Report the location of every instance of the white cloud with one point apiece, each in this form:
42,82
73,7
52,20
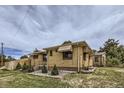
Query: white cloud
45,26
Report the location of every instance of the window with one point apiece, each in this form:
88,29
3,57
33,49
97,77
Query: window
51,53
67,55
84,56
89,57
44,57
35,56
96,59
56,50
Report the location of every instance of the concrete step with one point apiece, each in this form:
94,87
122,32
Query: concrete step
3,67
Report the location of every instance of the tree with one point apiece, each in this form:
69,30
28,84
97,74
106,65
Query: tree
114,52
10,58
55,71
110,47
25,67
18,66
36,50
121,53
7,58
24,56
67,42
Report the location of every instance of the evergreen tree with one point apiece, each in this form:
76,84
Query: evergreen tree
114,52
18,66
25,67
55,71
24,56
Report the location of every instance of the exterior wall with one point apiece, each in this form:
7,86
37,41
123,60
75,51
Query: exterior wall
36,63
12,64
91,61
57,58
101,60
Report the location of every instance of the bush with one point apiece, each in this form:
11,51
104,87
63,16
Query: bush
44,69
25,67
30,69
112,62
55,71
23,57
18,66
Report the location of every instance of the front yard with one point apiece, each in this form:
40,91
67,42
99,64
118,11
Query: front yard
102,77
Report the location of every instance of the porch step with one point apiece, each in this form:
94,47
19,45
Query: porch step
3,67
91,70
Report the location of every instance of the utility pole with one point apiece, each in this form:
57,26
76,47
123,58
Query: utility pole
2,56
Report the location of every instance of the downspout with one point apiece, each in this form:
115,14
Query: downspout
47,60
78,59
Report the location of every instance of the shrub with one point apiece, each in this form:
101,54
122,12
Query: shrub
25,67
23,57
18,66
112,62
44,69
55,71
30,69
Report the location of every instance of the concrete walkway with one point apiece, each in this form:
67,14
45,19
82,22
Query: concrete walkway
62,73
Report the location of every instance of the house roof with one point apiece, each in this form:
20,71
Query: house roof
39,52
65,48
73,43
100,53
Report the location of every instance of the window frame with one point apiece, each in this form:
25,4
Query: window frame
44,57
66,55
35,56
84,56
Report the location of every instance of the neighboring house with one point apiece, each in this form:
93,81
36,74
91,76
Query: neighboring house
69,56
12,64
99,59
38,59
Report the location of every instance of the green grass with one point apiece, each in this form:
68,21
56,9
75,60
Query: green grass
102,77
14,79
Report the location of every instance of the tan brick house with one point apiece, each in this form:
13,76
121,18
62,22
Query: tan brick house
99,59
38,59
70,56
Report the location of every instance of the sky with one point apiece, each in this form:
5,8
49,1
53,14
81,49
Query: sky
24,28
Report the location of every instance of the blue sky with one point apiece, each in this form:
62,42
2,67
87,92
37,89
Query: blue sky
28,27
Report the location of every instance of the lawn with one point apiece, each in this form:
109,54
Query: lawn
102,77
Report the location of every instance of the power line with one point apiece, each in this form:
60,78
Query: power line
21,23
2,55
20,27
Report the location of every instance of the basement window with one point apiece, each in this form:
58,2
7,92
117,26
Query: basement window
67,55
44,57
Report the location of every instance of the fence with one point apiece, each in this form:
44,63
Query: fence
12,64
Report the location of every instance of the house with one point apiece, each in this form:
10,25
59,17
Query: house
12,64
99,59
38,59
69,56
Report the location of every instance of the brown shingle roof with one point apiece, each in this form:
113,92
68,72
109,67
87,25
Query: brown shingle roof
73,43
